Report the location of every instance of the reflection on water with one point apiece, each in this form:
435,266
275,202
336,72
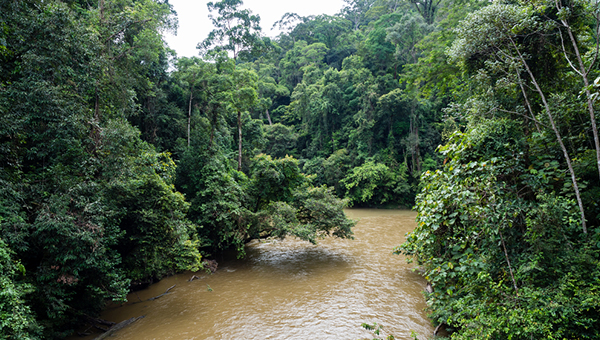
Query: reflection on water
292,290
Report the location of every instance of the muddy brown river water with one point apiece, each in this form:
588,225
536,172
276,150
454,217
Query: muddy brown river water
292,290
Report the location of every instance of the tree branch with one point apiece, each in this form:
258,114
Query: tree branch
562,42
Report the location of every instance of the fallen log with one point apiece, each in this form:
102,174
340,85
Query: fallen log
103,329
117,327
194,277
103,322
435,331
156,297
163,294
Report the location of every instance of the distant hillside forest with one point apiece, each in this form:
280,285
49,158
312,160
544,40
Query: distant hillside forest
121,163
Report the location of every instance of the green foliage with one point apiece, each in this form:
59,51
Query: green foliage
361,99
157,237
406,34
16,318
376,50
498,233
274,180
281,140
334,32
483,239
275,200
330,171
81,193
376,184
285,203
311,214
216,194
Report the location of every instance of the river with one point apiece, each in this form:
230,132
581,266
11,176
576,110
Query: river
292,290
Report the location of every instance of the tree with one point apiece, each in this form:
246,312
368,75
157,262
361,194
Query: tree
406,34
501,233
376,184
217,197
376,50
156,237
285,203
334,31
243,97
356,11
427,9
236,29
585,12
130,44
493,32
269,91
189,71
281,140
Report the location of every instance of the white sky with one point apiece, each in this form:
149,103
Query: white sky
194,24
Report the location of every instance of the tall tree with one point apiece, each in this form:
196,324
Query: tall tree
356,11
243,97
236,29
427,9
406,35
192,73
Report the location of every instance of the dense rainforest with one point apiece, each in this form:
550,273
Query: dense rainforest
121,163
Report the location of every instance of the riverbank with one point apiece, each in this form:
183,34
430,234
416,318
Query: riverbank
292,290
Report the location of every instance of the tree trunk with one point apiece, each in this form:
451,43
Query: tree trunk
417,148
527,103
558,136
414,132
268,117
239,118
101,10
189,117
97,106
586,83
411,146
508,261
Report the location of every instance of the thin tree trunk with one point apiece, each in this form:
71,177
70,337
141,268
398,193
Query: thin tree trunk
508,261
97,106
414,131
410,146
96,126
586,83
418,149
101,11
268,117
558,136
239,140
527,103
189,117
